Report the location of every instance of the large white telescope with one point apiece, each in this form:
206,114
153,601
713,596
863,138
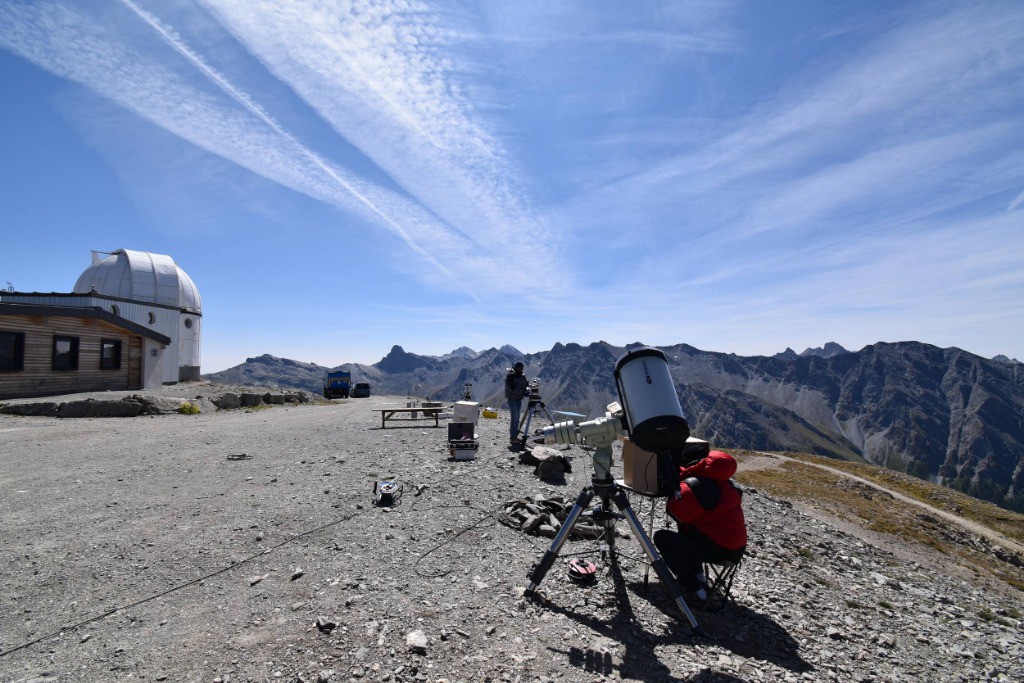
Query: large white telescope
650,404
649,411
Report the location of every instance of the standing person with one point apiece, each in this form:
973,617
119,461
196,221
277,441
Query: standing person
515,390
708,509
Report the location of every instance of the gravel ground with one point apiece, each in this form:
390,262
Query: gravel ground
210,547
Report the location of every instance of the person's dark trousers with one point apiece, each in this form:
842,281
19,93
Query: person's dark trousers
515,407
685,553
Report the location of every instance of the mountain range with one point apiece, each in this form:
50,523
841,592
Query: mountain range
945,415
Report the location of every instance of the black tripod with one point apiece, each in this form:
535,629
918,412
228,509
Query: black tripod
603,486
534,406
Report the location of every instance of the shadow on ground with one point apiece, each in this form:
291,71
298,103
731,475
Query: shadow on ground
763,639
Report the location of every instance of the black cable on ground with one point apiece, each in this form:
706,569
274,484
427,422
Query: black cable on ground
173,589
488,514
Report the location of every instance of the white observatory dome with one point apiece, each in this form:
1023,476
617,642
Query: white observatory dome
141,276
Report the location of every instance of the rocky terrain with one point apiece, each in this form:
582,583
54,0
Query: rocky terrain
940,414
243,545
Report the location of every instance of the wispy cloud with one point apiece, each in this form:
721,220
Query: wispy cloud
879,137
230,123
906,178
242,98
1016,202
688,27
913,82
385,76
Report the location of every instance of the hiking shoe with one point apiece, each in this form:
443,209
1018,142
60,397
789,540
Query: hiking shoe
699,598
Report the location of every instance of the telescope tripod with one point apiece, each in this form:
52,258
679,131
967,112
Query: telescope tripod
534,406
603,486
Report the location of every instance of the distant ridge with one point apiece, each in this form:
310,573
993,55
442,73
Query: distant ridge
942,414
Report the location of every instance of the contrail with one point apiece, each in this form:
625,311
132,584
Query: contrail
1016,202
243,99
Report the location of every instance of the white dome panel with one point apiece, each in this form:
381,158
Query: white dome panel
141,276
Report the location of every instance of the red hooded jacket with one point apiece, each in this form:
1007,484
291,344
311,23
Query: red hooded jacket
709,502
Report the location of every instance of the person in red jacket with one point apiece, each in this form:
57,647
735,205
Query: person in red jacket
708,509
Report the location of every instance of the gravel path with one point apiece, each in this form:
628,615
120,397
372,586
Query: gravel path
210,547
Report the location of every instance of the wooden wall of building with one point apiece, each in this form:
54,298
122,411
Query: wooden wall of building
39,379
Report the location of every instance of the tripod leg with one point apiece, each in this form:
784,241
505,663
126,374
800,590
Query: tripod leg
657,561
546,562
545,409
526,421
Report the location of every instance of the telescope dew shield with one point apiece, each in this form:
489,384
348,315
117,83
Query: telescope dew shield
649,401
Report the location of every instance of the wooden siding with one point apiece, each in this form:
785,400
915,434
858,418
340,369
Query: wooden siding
37,378
131,356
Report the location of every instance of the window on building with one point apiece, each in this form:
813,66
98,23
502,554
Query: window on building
188,323
12,351
152,317
110,354
65,352
115,310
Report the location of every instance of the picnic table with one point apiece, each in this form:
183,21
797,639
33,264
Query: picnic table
387,414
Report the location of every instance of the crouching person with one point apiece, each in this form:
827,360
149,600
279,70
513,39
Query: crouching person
709,512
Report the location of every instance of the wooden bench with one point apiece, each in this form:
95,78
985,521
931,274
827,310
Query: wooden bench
389,414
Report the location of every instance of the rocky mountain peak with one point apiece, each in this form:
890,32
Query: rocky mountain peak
828,351
461,352
399,360
274,361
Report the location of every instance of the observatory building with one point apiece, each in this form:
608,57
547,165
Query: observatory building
125,301
151,290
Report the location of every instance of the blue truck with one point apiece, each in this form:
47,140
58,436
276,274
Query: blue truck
337,384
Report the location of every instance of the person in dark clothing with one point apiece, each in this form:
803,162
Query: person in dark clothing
708,509
515,390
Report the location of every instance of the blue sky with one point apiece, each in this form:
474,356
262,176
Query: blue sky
338,177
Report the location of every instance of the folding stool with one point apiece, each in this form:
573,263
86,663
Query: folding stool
719,578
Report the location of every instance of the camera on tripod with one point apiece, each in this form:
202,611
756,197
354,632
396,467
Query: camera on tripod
533,391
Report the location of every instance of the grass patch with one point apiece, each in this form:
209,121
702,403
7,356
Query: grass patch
885,605
188,408
990,616
880,512
1009,524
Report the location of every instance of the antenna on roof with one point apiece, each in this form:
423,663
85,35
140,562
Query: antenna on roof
10,287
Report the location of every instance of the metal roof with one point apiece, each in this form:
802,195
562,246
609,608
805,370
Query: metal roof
82,312
141,276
